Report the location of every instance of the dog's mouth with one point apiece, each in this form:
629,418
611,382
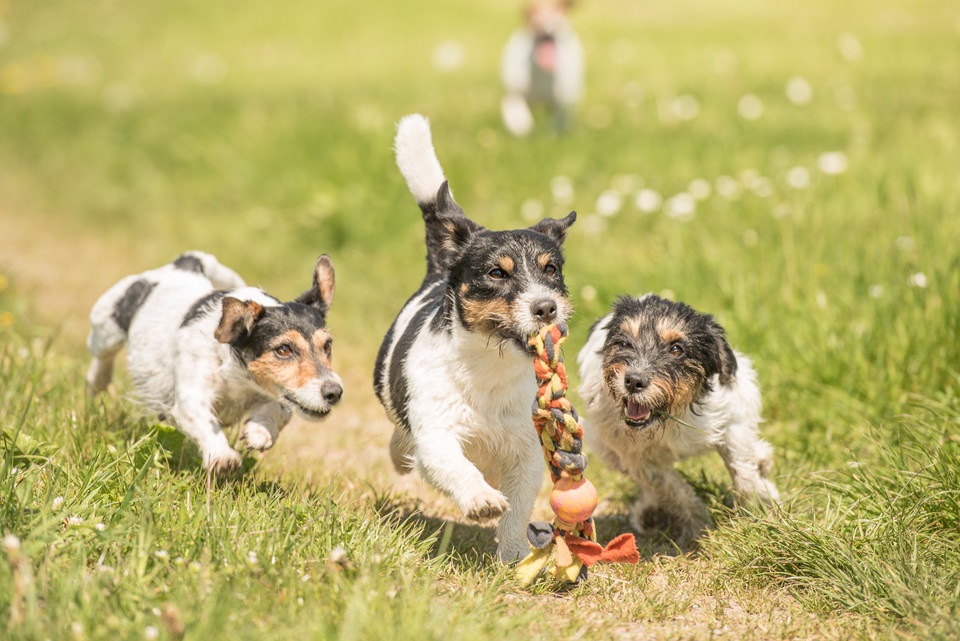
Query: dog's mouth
637,415
511,336
307,412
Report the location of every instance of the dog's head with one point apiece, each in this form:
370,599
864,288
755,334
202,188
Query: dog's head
659,358
505,285
286,348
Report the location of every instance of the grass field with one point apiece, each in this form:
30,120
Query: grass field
806,157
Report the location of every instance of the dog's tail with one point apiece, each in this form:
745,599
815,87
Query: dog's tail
420,167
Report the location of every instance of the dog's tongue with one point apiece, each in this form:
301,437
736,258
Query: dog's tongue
635,411
545,54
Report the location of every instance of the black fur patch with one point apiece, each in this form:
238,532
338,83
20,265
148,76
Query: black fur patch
188,263
202,307
131,301
276,321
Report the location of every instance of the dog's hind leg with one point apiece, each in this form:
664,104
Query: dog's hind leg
220,275
667,502
401,450
110,321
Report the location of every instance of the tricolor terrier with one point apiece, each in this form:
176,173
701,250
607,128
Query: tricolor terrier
205,351
541,64
453,372
661,385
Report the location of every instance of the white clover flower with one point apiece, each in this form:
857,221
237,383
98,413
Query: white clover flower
850,47
447,56
750,107
57,502
161,554
100,527
648,201
685,107
832,163
875,291
561,188
151,632
699,188
609,203
918,280
531,210
799,91
681,206
905,243
73,520
252,557
798,177
727,187
11,543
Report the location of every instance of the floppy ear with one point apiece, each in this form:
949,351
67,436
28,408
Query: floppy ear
722,360
237,319
555,229
320,296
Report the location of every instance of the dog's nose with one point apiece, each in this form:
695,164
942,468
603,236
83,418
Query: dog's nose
332,392
635,382
545,310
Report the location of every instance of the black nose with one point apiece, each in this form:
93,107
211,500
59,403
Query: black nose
635,382
545,310
332,392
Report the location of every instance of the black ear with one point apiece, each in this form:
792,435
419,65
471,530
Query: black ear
237,319
446,205
320,296
556,229
722,360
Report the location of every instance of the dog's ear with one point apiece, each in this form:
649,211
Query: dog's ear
721,360
448,229
555,229
445,204
237,319
320,296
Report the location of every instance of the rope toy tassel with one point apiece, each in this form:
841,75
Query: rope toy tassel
566,548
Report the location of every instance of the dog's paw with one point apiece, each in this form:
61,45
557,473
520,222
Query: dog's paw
223,464
488,504
256,437
755,490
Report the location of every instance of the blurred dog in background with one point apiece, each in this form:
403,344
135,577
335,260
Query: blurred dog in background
542,64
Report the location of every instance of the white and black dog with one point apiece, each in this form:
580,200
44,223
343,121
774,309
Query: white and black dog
453,372
662,384
205,351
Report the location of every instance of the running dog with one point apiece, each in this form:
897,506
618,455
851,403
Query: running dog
205,351
453,372
661,385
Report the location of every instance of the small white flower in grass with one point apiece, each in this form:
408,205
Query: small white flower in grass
561,188
799,91
918,280
11,543
57,502
762,187
252,557
73,520
77,629
685,107
609,203
681,207
798,177
100,527
750,107
648,201
699,188
875,291
161,554
905,243
588,293
821,299
273,560
151,632
832,163
531,210
850,47
299,600
727,187
854,464
447,56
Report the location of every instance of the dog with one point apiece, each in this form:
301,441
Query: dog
541,64
205,351
662,384
453,372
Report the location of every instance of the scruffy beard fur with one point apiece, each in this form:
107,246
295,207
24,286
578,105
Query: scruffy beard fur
662,384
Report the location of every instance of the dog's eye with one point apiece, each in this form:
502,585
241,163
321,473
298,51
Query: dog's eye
676,349
550,269
622,344
284,351
497,273
328,348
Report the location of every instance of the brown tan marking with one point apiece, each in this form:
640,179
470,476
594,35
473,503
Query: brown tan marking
506,264
543,260
320,339
272,372
486,315
671,335
631,326
670,327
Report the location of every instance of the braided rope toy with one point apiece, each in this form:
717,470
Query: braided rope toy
569,546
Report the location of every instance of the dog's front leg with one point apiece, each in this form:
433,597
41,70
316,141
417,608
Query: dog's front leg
263,425
196,418
520,480
749,460
441,461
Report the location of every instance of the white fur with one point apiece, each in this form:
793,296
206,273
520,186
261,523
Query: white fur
471,428
183,373
727,421
417,159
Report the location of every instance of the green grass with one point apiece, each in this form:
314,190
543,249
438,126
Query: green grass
262,133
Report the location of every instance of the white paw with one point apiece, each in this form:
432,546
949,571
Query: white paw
256,437
759,489
223,462
485,504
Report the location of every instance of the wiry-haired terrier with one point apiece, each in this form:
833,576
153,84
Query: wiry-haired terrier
663,385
